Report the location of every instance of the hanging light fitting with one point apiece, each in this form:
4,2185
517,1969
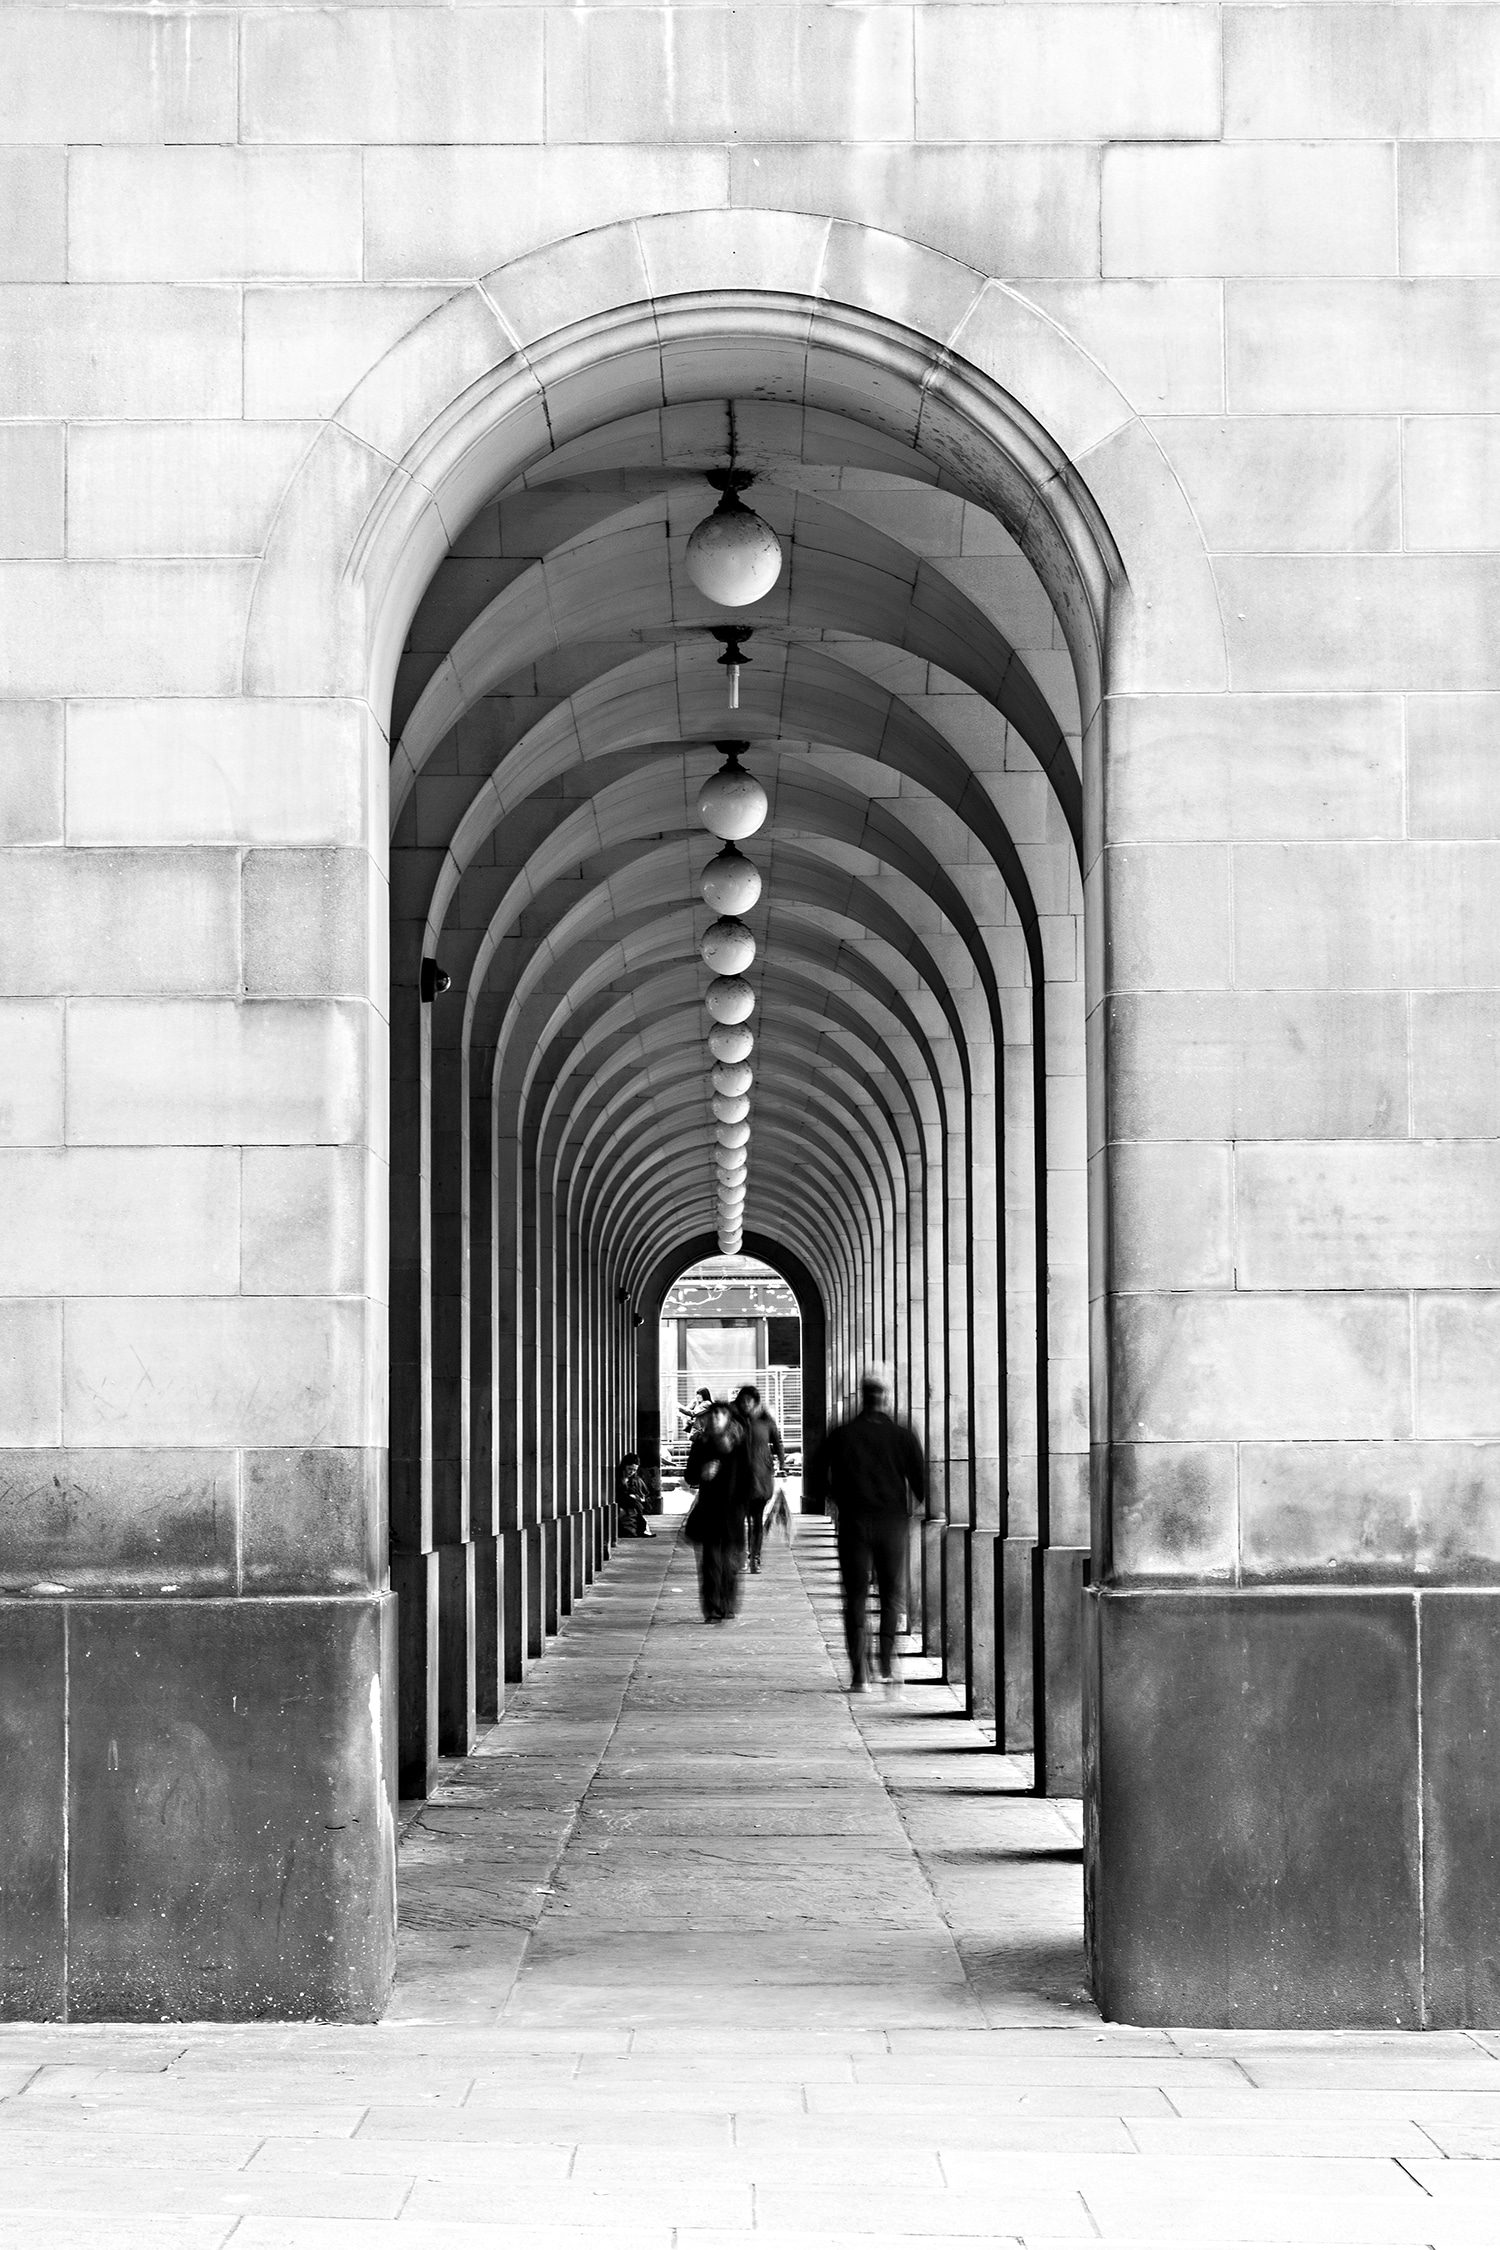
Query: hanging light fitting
731,883
731,802
733,556
728,947
729,1000
734,659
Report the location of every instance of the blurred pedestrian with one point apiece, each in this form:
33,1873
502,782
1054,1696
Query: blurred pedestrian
719,1466
767,1460
870,1467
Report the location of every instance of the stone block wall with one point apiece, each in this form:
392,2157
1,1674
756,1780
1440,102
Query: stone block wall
1271,234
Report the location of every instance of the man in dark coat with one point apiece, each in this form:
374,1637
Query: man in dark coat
767,1462
871,1468
719,1465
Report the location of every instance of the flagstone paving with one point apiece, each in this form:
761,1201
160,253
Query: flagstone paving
698,1951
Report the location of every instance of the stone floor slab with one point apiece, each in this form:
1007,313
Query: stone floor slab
698,1951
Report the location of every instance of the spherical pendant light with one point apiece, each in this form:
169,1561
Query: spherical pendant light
731,883
732,1179
733,1078
731,1163
729,1000
732,802
731,1199
732,1136
733,556
731,1043
728,947
731,1109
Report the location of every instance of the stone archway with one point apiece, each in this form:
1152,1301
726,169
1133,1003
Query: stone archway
511,370
927,361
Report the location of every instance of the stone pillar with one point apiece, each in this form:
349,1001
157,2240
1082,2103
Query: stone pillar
1292,1646
196,1636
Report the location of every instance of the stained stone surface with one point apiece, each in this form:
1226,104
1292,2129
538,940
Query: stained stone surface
697,1951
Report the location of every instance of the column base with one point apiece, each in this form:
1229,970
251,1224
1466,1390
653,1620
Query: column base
414,1582
1063,1573
536,1623
984,1575
515,1568
1015,1688
934,1531
1292,1818
458,1718
489,1629
551,1607
565,1531
957,1611
199,1816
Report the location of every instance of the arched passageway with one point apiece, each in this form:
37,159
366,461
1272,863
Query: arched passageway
924,709
985,924
920,683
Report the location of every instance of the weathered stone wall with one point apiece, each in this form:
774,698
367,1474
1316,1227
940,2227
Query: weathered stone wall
1264,248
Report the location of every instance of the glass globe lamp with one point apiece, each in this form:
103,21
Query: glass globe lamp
731,883
733,556
728,947
732,803
729,1000
731,1043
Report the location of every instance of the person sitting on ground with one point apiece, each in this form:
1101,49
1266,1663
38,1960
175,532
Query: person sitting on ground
767,1460
632,1498
719,1465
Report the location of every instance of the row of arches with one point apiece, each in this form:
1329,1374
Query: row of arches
485,548
913,712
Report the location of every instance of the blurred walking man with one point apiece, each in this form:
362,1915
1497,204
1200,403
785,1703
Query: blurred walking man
871,1468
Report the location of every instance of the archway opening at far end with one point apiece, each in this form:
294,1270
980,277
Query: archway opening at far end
728,1321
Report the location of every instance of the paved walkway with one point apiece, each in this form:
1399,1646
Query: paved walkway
695,1952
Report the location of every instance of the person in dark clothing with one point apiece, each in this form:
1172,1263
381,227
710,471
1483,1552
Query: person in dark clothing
632,1498
871,1468
767,1462
719,1466
689,1418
